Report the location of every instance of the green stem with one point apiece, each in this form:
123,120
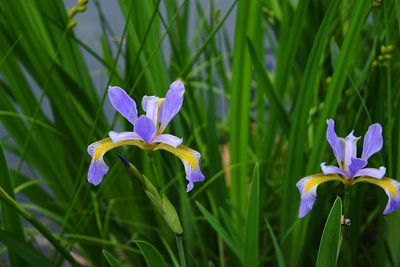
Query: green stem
347,197
181,250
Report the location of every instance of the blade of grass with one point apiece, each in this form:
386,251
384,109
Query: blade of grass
151,254
330,241
278,251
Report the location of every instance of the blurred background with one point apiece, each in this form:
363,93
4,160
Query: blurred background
261,79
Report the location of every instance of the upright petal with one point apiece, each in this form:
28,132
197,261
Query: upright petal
372,172
350,148
172,104
97,170
168,139
373,141
392,190
334,142
190,159
123,136
307,187
145,128
355,166
123,103
151,105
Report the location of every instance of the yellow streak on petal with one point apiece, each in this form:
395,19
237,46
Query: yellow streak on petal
106,144
315,180
385,183
182,152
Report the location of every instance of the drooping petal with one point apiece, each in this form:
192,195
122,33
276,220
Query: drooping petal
190,159
372,172
168,139
350,148
392,190
355,166
151,105
118,137
307,187
373,141
334,142
97,170
145,128
123,103
332,170
172,104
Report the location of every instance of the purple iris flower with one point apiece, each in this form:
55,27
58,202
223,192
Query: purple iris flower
147,132
351,169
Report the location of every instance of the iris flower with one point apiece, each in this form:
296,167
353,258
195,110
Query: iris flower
350,169
147,132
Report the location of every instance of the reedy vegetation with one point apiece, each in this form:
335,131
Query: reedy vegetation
270,119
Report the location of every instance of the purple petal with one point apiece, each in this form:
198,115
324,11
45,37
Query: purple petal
373,141
307,187
372,172
334,142
97,170
168,139
150,105
392,190
123,103
190,159
145,128
355,166
172,104
332,170
350,148
123,136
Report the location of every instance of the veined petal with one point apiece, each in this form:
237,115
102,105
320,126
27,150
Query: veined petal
168,139
392,190
123,103
307,187
350,148
372,172
151,105
145,128
355,166
190,159
172,104
332,170
118,137
98,168
334,142
373,141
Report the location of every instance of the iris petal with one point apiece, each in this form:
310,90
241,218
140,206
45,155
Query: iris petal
168,139
372,172
350,148
334,142
392,190
151,106
97,170
373,141
145,128
123,103
307,187
172,104
118,137
332,170
190,159
356,165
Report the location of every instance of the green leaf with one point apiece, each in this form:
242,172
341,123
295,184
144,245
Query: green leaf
151,254
24,251
252,222
278,251
330,241
114,262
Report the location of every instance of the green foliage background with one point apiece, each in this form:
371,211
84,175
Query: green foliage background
259,130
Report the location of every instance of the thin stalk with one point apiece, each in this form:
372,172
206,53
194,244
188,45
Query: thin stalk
181,251
347,196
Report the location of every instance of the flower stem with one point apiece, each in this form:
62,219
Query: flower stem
181,250
347,196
